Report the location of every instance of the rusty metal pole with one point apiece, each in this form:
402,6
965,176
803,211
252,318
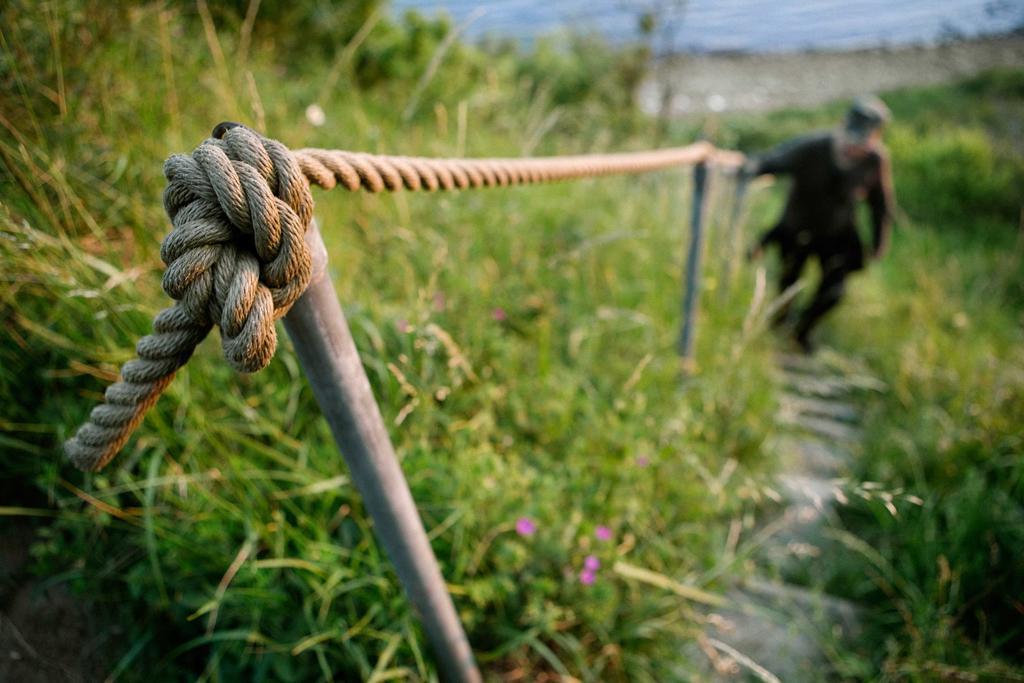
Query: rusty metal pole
691,289
330,360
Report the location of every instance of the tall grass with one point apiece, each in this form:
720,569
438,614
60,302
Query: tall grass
941,322
520,342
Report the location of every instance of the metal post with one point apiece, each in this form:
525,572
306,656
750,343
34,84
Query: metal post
323,342
693,261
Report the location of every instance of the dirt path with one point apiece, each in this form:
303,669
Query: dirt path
746,82
47,635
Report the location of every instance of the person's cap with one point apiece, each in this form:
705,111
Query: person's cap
866,115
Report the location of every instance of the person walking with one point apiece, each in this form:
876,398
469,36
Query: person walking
831,171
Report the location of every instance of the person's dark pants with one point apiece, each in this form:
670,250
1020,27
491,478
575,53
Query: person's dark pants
839,255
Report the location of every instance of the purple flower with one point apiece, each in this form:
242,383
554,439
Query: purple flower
642,461
603,533
587,577
525,526
591,563
499,314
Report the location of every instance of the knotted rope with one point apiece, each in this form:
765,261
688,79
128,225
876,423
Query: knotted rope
236,256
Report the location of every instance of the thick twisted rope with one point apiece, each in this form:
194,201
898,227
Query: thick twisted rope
236,257
377,173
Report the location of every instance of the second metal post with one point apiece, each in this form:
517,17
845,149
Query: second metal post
691,288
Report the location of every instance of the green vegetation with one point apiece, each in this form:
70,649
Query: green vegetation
941,321
520,343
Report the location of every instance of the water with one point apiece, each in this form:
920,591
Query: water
739,25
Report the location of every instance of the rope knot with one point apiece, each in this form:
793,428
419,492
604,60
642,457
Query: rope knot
236,256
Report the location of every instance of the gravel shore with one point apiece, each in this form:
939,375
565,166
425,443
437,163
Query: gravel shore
761,82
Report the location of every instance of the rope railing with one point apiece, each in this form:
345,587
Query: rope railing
244,251
240,205
379,173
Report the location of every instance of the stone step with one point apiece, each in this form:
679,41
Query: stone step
827,427
811,455
792,362
828,383
788,539
830,363
791,543
823,386
802,489
804,405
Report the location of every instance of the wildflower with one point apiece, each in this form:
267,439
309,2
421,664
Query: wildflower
642,461
591,563
439,301
587,577
499,314
603,533
525,526
402,325
315,115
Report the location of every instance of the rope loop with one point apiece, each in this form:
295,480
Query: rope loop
236,258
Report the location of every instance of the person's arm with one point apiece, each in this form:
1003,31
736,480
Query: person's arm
880,201
785,158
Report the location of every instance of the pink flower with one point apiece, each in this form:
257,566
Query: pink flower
525,526
499,314
603,533
402,325
591,563
642,461
587,577
439,301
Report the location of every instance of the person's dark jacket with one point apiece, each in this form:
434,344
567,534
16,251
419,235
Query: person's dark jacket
822,203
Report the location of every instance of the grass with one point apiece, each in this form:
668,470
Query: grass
521,345
940,320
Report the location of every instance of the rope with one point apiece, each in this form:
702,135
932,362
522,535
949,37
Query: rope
236,257
378,173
